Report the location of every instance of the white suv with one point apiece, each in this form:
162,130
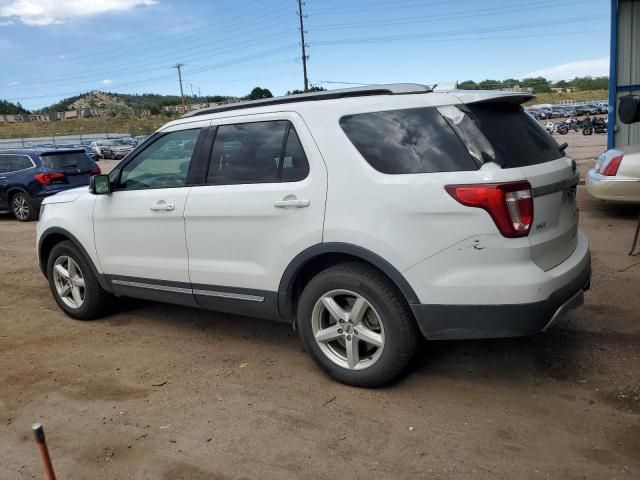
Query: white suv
363,217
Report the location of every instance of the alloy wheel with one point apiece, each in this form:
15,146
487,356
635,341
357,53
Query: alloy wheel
20,207
347,329
69,281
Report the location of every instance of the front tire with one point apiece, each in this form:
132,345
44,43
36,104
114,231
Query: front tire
356,326
73,284
23,207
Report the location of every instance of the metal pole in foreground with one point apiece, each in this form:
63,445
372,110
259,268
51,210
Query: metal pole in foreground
41,443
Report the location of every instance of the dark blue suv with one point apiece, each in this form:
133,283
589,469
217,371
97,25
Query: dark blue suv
28,176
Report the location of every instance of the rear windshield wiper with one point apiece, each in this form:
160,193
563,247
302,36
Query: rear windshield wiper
71,165
563,146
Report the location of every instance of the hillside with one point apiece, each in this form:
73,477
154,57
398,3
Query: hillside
148,101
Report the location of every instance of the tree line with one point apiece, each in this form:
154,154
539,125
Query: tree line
539,84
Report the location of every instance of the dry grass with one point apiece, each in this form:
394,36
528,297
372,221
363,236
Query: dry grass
86,126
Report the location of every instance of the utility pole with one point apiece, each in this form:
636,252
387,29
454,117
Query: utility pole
304,52
179,66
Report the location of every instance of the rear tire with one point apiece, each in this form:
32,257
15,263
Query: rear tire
356,326
73,284
23,207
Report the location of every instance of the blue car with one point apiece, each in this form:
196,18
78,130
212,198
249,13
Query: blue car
27,176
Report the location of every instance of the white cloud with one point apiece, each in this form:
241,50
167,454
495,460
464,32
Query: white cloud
46,12
11,84
6,23
107,81
597,67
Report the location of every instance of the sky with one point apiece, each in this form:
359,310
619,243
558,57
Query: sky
51,49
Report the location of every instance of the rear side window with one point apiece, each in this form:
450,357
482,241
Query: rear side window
5,163
415,140
257,152
517,140
56,161
20,162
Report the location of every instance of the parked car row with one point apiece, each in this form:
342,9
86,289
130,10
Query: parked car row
114,148
567,111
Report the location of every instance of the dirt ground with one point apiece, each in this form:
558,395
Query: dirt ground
163,392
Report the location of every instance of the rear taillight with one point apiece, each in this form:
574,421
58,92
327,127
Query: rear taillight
509,204
611,167
49,178
95,171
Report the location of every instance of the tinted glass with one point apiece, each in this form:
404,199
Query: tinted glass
20,162
164,163
4,163
415,140
294,164
57,161
247,153
517,139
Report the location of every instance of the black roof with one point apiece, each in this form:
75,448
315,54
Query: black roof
390,89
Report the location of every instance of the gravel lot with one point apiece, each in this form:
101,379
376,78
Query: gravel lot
158,391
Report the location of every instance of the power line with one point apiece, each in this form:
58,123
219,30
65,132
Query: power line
159,63
101,60
452,16
392,38
142,34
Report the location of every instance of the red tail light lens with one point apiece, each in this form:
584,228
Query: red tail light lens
612,166
95,171
49,178
509,204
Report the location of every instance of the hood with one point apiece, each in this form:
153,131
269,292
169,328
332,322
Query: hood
66,196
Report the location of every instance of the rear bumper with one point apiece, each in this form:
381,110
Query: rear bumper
613,189
447,322
515,300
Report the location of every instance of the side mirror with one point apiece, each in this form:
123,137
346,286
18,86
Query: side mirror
100,185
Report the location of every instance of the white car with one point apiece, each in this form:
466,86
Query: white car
616,176
362,217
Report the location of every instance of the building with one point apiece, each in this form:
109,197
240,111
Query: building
624,74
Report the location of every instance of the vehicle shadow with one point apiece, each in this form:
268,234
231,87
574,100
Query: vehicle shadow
127,311
557,354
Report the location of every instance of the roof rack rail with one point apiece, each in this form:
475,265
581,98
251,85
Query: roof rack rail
390,89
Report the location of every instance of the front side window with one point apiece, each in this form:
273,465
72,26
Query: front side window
416,140
164,163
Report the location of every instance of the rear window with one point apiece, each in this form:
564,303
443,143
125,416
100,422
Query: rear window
56,161
514,138
417,140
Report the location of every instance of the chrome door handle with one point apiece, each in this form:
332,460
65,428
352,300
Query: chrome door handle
163,206
292,202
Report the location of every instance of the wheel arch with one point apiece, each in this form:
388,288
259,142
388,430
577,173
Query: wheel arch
54,235
322,256
11,191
